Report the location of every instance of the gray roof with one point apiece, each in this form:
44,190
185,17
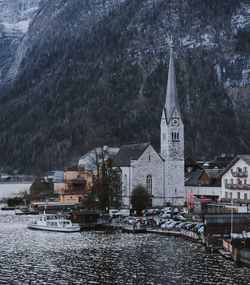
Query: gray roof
171,102
213,173
245,157
193,178
128,152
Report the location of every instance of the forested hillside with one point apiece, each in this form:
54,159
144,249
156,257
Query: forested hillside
95,73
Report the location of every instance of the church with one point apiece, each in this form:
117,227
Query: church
162,174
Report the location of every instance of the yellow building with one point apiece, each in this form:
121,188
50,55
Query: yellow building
76,184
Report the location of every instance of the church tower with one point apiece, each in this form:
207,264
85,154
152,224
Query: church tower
172,140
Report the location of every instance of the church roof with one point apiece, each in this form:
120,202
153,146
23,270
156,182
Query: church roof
171,103
128,152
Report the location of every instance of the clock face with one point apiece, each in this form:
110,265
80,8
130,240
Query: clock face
175,122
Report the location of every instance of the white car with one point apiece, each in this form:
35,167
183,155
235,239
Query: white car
171,225
163,226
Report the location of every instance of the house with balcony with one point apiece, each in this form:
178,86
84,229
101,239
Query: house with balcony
74,188
236,181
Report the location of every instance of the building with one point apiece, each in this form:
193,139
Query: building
202,185
161,173
74,187
236,180
91,158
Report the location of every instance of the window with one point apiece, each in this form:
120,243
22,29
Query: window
238,195
226,195
231,195
125,184
149,158
175,136
245,196
245,181
232,181
225,181
149,184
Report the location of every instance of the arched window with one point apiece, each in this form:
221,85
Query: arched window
177,136
149,184
125,184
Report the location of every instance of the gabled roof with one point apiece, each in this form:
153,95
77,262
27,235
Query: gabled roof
244,157
128,152
213,173
193,178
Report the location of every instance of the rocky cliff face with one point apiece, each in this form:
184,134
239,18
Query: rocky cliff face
94,72
15,17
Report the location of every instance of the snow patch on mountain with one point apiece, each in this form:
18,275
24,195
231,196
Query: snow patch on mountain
21,26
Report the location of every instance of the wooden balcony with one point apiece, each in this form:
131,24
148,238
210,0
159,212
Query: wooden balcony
237,186
239,174
235,201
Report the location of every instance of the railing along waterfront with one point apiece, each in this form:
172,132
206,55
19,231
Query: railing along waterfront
138,227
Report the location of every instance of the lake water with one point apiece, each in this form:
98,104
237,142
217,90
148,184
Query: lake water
36,257
12,189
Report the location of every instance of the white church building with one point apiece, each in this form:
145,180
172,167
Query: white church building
162,174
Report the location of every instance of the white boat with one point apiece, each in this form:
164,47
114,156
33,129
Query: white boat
55,223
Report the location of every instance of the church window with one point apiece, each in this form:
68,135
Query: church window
175,136
125,184
149,184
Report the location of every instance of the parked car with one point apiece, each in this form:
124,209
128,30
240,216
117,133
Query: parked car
184,225
164,226
179,226
172,225
179,218
190,226
201,230
197,227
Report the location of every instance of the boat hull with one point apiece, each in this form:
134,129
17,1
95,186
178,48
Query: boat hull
55,229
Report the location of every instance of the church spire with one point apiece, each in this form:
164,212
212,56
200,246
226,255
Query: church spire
171,103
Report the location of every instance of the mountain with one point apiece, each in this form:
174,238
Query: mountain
88,73
15,18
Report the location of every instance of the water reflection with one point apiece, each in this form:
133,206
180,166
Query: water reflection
35,257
